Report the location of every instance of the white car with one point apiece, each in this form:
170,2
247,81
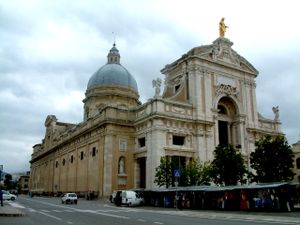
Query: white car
8,196
69,198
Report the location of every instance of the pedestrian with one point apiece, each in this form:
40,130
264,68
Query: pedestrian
180,201
1,196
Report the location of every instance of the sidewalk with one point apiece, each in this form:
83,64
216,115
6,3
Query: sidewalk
278,217
8,210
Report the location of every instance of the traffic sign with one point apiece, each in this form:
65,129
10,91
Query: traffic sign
177,173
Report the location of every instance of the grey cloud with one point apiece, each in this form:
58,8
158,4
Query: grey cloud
37,80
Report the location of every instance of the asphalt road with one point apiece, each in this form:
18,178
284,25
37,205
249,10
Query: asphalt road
50,211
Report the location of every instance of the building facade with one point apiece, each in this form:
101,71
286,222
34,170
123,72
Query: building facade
209,98
24,183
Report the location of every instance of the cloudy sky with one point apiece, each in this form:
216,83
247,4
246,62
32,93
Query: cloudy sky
50,49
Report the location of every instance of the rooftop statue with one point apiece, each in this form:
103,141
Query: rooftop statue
222,27
156,84
276,112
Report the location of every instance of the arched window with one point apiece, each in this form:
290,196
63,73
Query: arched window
222,109
121,165
298,163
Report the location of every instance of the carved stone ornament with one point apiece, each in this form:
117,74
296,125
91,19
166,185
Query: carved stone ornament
175,81
222,50
227,90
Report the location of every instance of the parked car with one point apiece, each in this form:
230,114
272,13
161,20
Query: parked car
69,198
129,198
8,196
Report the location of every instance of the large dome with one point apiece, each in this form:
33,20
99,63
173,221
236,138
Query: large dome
113,73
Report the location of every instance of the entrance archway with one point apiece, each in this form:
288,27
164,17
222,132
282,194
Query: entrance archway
228,131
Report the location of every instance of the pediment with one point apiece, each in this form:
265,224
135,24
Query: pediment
221,52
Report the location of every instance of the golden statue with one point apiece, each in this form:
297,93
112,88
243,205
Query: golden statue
222,27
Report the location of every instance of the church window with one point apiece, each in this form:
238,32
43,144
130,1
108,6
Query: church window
177,87
178,140
72,158
63,162
121,165
81,155
56,164
94,151
142,142
298,163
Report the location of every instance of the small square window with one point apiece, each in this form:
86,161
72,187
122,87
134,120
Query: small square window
178,140
142,142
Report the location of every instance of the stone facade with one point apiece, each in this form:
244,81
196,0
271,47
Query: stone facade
209,98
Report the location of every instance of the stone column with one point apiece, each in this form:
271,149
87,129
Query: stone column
107,165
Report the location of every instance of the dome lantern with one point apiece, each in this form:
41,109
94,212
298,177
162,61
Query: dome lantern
113,55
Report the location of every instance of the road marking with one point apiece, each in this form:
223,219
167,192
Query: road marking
16,205
141,220
44,210
69,222
81,210
68,210
101,213
54,217
158,222
55,210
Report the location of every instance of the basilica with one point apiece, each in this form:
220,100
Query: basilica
208,98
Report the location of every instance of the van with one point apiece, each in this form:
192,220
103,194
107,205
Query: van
129,198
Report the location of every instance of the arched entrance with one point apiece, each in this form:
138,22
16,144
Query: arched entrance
228,130
141,162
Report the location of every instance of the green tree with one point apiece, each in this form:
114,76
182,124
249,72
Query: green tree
8,181
163,175
196,173
228,167
272,160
